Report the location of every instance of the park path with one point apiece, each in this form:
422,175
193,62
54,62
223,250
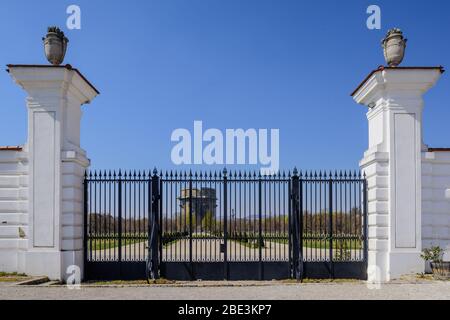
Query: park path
202,250
209,250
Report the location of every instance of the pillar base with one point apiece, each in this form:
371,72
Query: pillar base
387,266
404,263
43,263
53,264
71,259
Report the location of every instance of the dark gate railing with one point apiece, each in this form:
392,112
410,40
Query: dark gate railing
117,210
330,212
225,225
224,217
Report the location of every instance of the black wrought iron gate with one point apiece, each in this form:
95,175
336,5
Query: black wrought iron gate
225,225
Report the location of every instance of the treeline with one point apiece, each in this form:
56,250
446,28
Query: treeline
349,223
102,223
317,223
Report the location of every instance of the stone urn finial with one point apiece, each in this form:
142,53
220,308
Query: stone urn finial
55,45
394,45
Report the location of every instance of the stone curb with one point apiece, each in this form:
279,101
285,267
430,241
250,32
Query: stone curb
200,285
33,281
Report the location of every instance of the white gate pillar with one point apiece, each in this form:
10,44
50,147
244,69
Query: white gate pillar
392,165
57,165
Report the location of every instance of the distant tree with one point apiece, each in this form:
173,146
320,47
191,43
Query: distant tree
208,221
184,222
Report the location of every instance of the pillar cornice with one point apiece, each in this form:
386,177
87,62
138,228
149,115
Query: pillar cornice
52,81
386,82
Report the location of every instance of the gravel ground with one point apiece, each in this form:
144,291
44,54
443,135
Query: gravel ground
207,250
234,291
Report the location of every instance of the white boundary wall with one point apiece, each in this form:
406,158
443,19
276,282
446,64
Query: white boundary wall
13,209
436,200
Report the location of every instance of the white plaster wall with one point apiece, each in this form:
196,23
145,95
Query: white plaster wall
74,164
13,210
72,206
376,168
436,200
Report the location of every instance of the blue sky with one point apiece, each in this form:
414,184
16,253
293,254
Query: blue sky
160,65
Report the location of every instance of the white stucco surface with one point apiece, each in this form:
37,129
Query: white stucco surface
50,209
13,209
393,166
436,200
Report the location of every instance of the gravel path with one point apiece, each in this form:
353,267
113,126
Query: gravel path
207,250
238,291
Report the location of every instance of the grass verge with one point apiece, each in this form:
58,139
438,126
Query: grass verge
12,277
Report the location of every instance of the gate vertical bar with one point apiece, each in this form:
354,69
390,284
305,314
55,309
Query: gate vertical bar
148,268
154,235
330,224
160,206
300,234
290,230
225,223
190,226
295,227
260,239
120,216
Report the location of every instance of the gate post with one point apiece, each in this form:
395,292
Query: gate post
392,165
297,255
153,255
54,223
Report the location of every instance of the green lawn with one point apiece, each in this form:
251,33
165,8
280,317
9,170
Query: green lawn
13,276
345,244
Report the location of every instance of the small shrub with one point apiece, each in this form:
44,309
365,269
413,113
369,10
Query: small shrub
433,254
